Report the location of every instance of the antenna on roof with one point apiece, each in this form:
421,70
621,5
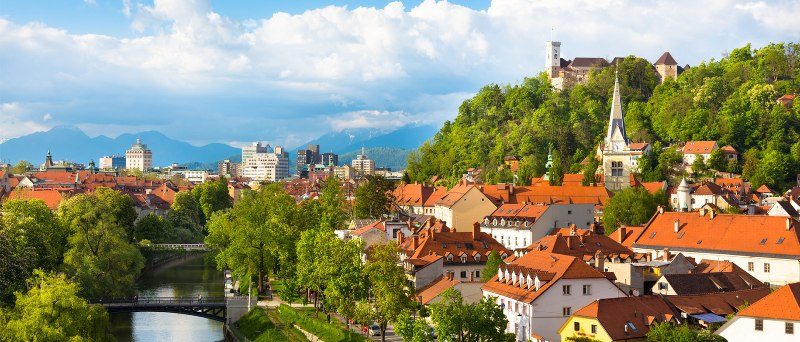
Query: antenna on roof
552,28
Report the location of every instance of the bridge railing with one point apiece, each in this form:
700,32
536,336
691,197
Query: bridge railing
150,301
178,246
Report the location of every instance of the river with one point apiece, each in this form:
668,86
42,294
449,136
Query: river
190,277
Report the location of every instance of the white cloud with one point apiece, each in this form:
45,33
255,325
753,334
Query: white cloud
404,63
14,121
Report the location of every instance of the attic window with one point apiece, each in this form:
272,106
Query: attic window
458,245
699,241
653,235
681,234
485,246
780,241
444,245
631,326
763,241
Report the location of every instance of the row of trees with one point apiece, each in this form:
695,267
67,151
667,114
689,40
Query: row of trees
732,100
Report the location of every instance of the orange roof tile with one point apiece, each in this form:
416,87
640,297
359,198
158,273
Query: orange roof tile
441,243
614,313
728,149
653,187
699,147
51,197
548,267
435,288
626,235
784,303
764,189
727,233
582,243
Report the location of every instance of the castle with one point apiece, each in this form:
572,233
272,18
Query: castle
563,73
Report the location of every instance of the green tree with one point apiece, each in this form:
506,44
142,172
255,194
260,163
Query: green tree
331,201
666,332
493,262
455,320
374,197
631,206
772,170
100,256
589,171
16,264
213,196
413,329
699,166
716,160
387,281
152,227
258,235
21,167
30,223
185,212
52,311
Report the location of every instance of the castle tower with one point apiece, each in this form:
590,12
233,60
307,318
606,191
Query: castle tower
666,66
684,197
616,150
552,58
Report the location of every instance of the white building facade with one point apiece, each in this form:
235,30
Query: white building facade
270,166
139,157
518,229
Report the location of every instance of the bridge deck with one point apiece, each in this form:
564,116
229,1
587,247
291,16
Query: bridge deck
211,308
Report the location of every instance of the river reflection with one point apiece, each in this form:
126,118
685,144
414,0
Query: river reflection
191,277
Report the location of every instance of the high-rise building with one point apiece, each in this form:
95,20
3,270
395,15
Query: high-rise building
362,165
315,156
267,166
113,162
330,159
304,157
228,169
254,148
139,157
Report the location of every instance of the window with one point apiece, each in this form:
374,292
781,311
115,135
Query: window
759,324
477,274
662,285
751,266
566,311
569,212
616,169
464,259
576,326
594,328
566,289
766,267
587,290
789,328
463,274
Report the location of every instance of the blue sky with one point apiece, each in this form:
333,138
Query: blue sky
288,71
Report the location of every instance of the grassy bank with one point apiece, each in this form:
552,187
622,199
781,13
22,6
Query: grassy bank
265,325
330,332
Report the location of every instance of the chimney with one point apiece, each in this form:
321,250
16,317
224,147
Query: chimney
573,230
450,276
414,242
677,226
660,209
399,238
666,254
788,223
711,214
569,241
476,229
621,233
599,261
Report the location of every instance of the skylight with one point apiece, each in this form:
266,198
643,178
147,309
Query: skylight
653,235
780,241
763,241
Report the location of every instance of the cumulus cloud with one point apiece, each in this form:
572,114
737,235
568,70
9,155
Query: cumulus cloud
340,67
14,121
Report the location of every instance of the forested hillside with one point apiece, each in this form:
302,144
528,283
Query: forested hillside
732,100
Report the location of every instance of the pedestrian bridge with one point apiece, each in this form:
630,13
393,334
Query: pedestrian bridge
179,246
217,308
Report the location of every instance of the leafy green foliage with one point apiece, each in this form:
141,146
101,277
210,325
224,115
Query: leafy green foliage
31,224
16,264
455,320
413,329
493,262
100,256
212,196
732,100
665,332
387,280
320,328
52,311
631,206
374,197
21,167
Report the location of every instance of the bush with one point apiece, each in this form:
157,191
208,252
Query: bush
319,327
257,326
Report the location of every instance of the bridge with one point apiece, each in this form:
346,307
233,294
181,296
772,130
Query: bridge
216,308
179,246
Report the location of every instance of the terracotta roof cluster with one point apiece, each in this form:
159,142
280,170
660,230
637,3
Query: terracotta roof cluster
455,247
51,197
626,235
712,282
518,280
585,245
544,193
722,233
631,317
418,195
699,147
784,304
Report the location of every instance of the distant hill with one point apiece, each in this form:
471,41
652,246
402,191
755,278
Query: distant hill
71,144
392,157
406,137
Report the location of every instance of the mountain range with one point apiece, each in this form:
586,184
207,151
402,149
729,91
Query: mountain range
386,147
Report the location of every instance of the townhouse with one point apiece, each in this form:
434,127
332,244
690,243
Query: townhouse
417,198
518,225
776,317
462,206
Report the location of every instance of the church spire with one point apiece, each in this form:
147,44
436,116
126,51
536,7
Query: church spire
616,122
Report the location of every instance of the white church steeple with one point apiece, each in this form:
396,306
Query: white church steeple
616,138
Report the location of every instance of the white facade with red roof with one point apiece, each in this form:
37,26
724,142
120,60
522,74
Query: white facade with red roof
774,318
518,225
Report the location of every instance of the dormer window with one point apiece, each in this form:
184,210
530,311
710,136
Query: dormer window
449,258
464,259
504,255
477,258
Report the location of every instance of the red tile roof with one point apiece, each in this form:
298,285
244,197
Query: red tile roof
418,194
728,149
445,242
699,147
435,288
51,197
583,244
726,233
548,267
614,313
626,235
784,304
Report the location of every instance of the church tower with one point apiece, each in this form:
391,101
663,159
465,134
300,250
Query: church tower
552,58
616,149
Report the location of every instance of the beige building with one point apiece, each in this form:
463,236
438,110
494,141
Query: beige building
362,165
667,67
463,206
139,157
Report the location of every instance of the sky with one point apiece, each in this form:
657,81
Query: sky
285,72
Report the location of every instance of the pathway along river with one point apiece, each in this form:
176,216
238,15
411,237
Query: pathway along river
190,277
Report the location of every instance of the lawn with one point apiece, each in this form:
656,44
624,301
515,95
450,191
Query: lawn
330,332
260,325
